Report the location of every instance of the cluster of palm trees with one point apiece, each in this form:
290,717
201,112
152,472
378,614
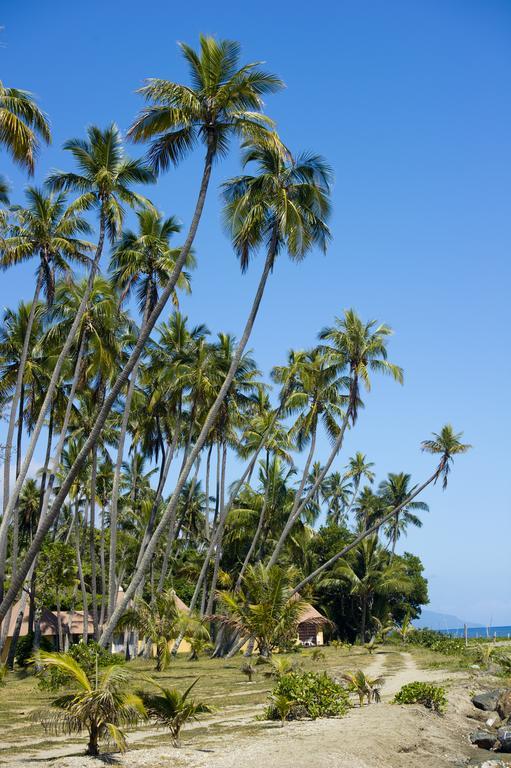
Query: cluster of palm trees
143,419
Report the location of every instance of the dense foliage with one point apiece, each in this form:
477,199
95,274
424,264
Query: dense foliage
313,695
430,695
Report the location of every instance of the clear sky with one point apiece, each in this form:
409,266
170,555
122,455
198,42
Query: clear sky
410,102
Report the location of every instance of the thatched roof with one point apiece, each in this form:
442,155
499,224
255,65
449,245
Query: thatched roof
48,622
310,615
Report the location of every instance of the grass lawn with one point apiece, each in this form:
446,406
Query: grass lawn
221,684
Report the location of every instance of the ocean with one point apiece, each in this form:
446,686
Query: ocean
479,632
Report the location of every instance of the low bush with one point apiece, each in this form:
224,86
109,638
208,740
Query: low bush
87,655
313,695
431,696
438,641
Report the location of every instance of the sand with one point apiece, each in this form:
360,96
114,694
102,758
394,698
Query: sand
378,736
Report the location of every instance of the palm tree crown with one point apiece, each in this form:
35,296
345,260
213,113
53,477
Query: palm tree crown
223,99
22,126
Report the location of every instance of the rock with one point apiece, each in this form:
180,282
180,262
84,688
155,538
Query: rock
487,700
488,764
483,739
492,719
504,705
504,737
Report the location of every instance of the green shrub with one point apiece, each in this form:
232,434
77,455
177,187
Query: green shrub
431,696
313,695
438,641
24,648
85,654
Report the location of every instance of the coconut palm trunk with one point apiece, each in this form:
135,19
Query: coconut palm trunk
368,532
17,394
50,393
112,584
85,633
207,426
92,541
114,392
298,503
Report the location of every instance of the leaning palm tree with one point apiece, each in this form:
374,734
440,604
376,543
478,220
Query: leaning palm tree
145,257
224,100
22,126
446,444
283,184
100,705
104,183
49,230
357,349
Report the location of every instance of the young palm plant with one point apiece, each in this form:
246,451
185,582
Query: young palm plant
156,621
364,686
100,705
173,709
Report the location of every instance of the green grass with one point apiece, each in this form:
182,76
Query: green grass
237,702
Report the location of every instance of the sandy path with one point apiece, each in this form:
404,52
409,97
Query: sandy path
379,736
407,672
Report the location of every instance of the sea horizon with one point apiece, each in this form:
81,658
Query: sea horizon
475,632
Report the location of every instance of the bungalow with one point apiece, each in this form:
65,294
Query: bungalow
311,625
72,625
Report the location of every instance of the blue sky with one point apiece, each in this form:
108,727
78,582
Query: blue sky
409,102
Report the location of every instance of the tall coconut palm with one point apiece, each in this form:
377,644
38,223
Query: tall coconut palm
47,229
358,469
395,489
22,126
103,183
446,444
148,258
336,491
224,100
356,349
302,185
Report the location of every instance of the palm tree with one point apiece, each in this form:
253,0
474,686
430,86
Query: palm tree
370,571
359,349
262,608
22,126
336,492
45,228
224,100
304,186
100,705
173,709
365,687
447,444
104,182
357,470
395,489
156,621
146,257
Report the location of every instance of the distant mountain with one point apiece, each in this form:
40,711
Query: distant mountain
434,620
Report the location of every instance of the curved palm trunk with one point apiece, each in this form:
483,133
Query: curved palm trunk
204,434
50,392
373,529
298,504
112,567
259,528
81,579
92,541
113,394
17,392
